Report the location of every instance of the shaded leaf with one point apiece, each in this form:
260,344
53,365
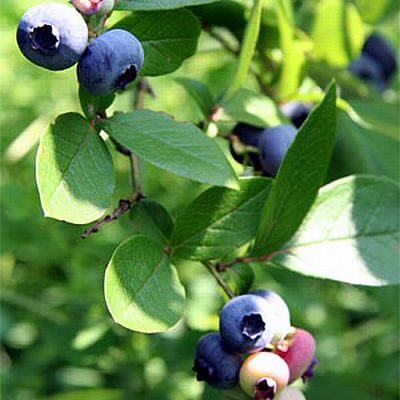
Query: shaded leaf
152,219
168,38
200,93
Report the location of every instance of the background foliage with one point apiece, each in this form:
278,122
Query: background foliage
58,340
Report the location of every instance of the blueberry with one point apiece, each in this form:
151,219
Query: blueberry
296,112
249,135
263,375
280,312
246,324
52,35
369,70
299,355
90,7
110,62
246,135
214,364
273,145
376,47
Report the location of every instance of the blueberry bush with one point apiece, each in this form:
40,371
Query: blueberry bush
220,185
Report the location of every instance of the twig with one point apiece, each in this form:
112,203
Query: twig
135,174
219,279
123,206
223,266
142,88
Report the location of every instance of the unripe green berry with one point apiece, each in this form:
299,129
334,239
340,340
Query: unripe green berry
290,393
263,375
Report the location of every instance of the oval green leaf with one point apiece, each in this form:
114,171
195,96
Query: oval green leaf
168,38
74,171
152,219
220,220
142,288
180,148
350,235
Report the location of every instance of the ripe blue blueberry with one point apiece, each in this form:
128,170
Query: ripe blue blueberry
369,70
296,112
52,35
249,135
110,62
273,145
246,324
214,365
383,53
245,135
280,312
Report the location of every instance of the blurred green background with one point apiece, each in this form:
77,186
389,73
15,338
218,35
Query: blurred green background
57,339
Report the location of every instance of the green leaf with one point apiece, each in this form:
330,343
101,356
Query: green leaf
367,149
142,288
93,105
220,220
379,115
180,148
239,278
251,108
291,73
248,47
300,176
338,32
200,93
168,38
157,4
74,171
350,235
152,219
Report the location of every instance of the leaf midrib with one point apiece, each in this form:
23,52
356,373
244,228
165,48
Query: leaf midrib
70,164
219,220
158,138
317,242
145,283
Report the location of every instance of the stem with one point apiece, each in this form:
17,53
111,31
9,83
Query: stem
219,279
248,47
220,267
123,207
135,173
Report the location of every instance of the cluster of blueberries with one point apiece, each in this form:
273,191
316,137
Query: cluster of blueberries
56,36
265,148
258,325
377,62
